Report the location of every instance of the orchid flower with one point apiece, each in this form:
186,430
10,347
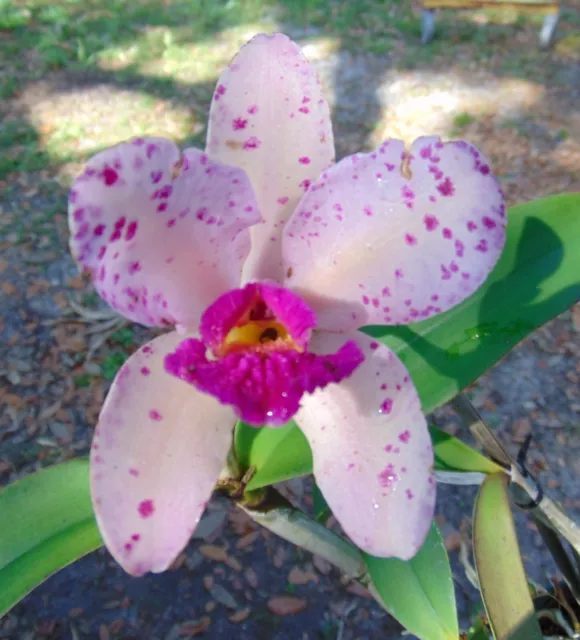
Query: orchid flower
267,258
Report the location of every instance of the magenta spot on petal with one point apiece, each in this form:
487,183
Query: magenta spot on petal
410,239
110,176
131,230
239,123
146,508
488,223
471,226
482,246
134,472
447,233
253,109
252,143
405,436
145,371
387,477
351,466
431,223
155,415
387,406
283,200
135,537
446,187
374,346
304,160
409,493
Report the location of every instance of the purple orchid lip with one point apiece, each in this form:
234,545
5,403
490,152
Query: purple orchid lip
259,337
263,303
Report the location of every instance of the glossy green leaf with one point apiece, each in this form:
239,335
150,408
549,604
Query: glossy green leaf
419,593
451,454
535,280
502,579
261,449
47,523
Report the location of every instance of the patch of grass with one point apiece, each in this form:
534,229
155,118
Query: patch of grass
460,122
83,380
112,363
8,87
90,299
463,120
123,337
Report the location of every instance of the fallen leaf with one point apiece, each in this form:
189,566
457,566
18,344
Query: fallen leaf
213,552
299,576
239,616
194,627
286,605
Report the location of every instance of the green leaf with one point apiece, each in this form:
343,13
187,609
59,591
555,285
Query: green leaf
419,593
262,449
451,454
535,280
48,523
503,582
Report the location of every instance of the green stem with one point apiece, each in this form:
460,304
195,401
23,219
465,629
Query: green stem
276,514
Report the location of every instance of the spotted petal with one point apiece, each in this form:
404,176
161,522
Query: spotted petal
369,245
157,452
269,117
161,235
372,453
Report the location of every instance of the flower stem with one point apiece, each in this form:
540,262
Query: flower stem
278,515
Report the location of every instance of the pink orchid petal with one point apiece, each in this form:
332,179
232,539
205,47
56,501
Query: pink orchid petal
157,452
368,245
162,239
269,117
372,451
